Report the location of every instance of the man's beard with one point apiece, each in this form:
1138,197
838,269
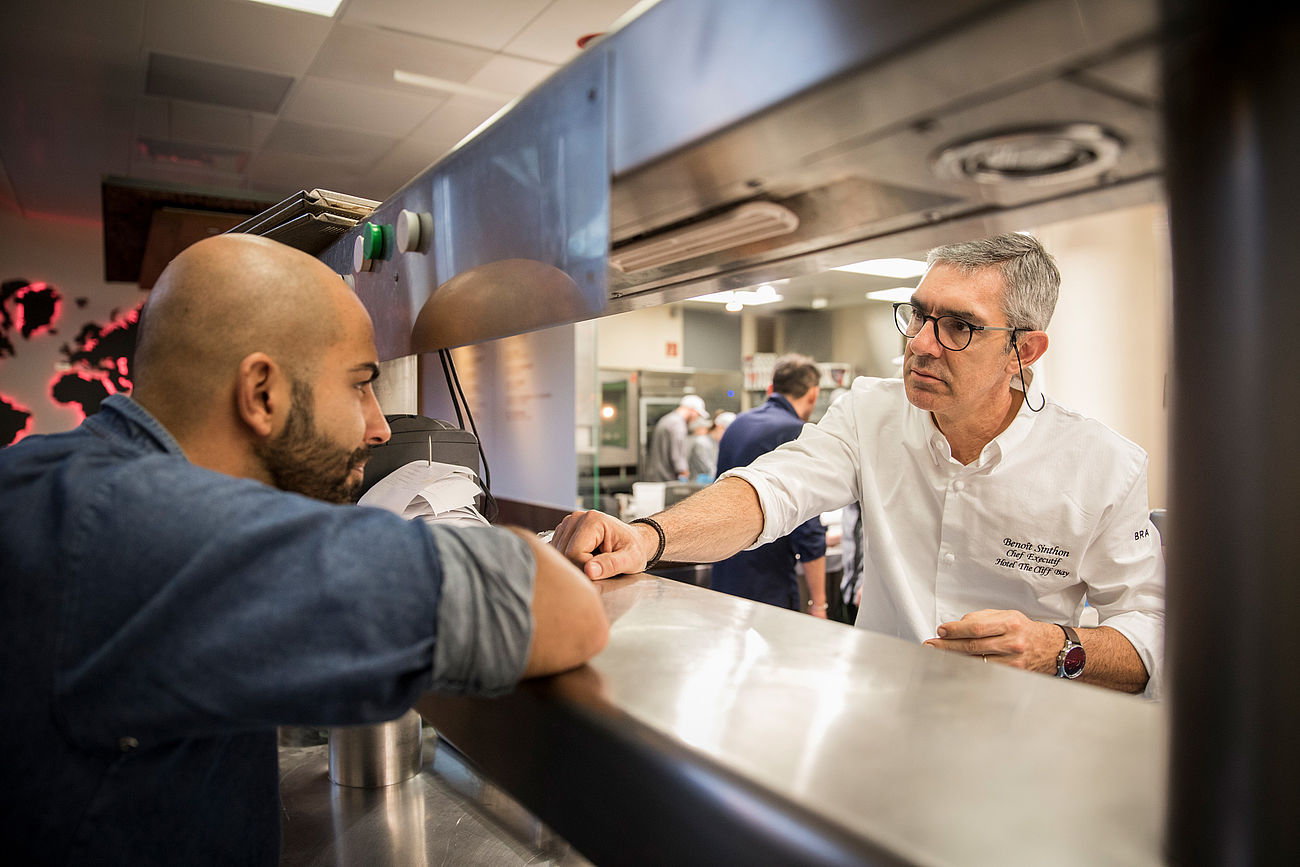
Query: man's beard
306,462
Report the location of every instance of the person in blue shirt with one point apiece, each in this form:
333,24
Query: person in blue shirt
181,575
767,573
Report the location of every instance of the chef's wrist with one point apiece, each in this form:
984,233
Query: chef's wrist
655,541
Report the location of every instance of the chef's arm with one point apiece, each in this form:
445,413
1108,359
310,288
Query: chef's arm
708,526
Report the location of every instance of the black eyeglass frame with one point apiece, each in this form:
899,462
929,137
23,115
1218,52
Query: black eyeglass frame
926,317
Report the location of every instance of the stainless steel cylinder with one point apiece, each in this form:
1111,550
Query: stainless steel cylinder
372,756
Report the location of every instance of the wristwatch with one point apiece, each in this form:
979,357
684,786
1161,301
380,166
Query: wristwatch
1071,659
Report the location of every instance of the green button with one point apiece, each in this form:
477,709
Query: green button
373,240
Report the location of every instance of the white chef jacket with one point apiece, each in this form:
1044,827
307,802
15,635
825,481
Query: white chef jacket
1053,511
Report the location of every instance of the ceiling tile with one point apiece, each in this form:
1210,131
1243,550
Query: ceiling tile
153,117
8,198
553,35
344,105
120,22
216,83
283,174
454,120
53,163
251,35
340,146
367,56
486,25
512,74
408,159
70,61
214,125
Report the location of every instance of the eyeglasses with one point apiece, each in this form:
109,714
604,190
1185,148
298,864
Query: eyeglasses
953,332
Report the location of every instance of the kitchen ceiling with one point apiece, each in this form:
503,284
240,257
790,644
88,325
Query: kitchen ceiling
250,100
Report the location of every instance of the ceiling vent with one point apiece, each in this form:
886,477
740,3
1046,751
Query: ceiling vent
1034,155
215,83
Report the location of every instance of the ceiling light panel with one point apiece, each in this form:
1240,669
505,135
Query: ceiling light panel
325,8
886,267
895,295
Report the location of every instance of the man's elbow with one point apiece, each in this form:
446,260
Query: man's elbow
582,634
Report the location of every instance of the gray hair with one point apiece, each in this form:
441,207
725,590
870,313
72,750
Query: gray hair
1031,282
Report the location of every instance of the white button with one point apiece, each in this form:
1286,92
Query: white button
949,558
959,486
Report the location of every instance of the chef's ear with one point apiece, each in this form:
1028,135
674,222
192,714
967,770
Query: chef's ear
262,394
1030,344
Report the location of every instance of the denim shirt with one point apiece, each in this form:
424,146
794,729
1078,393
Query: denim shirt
159,620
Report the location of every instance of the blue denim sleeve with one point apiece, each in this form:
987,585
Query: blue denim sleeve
485,623
201,604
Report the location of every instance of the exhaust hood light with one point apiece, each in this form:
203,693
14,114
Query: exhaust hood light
1035,155
886,267
327,8
898,293
754,221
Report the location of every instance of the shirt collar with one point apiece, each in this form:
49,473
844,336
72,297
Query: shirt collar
784,402
923,427
121,418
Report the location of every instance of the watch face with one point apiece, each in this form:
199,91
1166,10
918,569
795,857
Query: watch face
1072,666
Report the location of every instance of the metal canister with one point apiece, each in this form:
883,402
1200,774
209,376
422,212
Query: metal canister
372,756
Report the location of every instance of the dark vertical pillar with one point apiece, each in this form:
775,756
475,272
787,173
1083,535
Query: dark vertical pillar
1232,86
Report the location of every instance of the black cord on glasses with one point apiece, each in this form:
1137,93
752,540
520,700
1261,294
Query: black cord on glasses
1023,381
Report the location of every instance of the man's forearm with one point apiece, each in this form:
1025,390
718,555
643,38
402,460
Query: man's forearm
1112,661
712,524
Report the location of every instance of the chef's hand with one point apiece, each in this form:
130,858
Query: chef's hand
1008,637
603,546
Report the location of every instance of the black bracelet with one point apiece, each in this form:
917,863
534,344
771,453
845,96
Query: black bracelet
662,541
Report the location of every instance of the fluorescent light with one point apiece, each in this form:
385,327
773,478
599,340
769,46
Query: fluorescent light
741,297
401,76
886,267
326,8
898,293
744,224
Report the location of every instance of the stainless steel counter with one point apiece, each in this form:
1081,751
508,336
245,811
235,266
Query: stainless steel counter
716,730
446,815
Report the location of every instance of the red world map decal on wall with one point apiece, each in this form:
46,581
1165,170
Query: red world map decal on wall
97,362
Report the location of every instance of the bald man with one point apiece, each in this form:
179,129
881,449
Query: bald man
177,580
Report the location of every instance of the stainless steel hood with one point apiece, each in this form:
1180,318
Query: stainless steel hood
877,125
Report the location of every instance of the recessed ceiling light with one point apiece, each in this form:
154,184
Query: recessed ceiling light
326,8
898,293
886,267
764,294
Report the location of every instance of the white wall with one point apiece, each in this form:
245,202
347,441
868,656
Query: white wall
641,339
1109,350
70,256
521,393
